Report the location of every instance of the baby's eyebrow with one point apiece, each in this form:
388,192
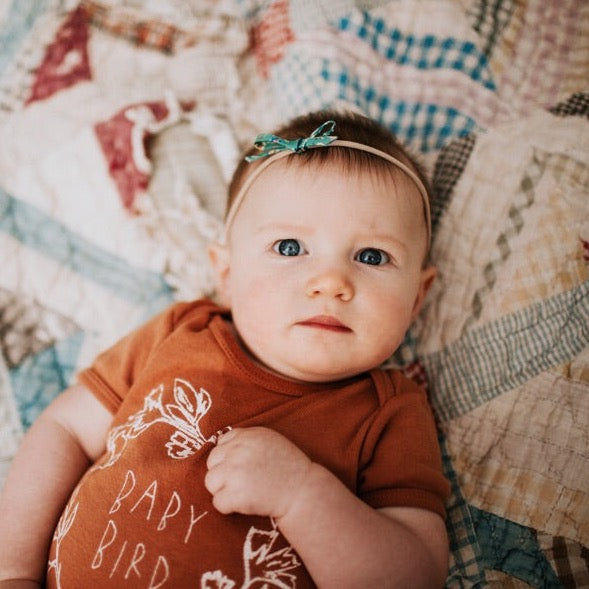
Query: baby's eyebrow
386,237
283,227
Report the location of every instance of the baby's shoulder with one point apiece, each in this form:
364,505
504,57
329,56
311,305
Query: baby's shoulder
393,383
197,313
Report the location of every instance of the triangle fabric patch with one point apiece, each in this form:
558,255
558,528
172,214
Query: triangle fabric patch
66,60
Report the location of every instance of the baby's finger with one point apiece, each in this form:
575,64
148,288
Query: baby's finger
227,436
215,457
222,502
214,481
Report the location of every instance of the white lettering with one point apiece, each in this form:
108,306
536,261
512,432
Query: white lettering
119,557
128,559
174,502
161,570
149,493
193,521
105,542
137,558
124,493
154,582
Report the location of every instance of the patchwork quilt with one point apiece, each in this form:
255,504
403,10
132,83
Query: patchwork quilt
111,186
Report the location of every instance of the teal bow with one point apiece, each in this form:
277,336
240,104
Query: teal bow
269,144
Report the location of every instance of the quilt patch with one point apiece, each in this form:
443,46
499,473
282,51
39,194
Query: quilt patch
109,192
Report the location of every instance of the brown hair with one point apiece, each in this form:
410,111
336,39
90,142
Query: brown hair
348,127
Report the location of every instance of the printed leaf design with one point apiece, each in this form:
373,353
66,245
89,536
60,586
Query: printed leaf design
263,565
66,520
216,580
191,405
118,438
181,446
183,416
63,527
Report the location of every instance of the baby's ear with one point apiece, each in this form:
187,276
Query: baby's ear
219,259
428,276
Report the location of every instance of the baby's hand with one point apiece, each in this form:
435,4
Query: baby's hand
255,471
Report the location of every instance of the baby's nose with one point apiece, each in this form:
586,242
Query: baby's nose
331,282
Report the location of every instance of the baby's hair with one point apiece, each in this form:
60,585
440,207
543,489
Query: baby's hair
348,127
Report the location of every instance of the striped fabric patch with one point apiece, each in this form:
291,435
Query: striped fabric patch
514,222
504,354
39,231
270,36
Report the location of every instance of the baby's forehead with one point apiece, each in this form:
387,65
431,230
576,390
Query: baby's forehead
361,163
378,173
323,193
327,179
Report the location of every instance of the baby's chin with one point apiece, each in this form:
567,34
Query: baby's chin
314,367
315,374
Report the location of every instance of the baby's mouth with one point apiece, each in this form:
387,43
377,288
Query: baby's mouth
326,322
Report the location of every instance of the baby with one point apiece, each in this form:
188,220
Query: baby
256,442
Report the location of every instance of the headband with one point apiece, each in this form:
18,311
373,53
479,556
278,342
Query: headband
275,148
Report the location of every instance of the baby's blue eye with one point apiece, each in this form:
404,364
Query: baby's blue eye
288,247
372,256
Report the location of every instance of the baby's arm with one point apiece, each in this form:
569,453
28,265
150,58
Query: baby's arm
342,541
56,451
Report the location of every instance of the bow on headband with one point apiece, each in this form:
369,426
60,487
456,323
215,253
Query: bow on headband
272,145
269,144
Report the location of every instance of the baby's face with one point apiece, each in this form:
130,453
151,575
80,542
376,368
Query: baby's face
323,269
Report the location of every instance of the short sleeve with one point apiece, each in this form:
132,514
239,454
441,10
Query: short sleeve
401,458
113,371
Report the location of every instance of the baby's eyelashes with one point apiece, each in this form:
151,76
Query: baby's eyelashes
289,247
372,256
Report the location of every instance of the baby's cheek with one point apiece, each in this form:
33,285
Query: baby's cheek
252,317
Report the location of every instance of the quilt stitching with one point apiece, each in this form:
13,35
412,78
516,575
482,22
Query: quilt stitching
505,353
509,62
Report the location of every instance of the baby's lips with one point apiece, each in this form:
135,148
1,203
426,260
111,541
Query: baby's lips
325,322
